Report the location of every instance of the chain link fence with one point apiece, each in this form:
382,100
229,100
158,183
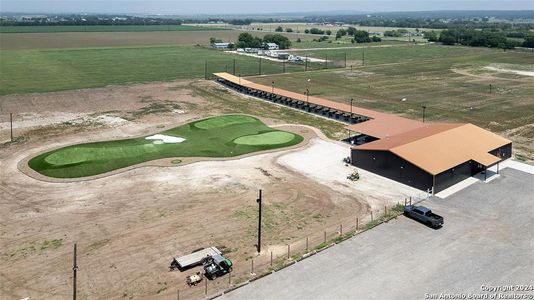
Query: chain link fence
252,66
281,256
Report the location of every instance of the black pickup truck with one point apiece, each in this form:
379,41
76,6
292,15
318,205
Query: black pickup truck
423,215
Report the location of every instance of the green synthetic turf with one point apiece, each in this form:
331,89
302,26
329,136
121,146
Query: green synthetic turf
223,136
268,138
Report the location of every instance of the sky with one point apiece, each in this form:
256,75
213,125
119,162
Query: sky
199,7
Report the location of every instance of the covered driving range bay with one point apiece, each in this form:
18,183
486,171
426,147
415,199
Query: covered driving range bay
221,136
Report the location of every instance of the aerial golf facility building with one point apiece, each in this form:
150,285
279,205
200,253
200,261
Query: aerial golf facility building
427,156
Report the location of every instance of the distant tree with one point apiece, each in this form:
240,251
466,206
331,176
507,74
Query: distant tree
431,36
214,40
246,40
316,31
328,32
282,41
289,30
340,33
306,31
299,40
529,42
376,39
279,29
361,36
351,31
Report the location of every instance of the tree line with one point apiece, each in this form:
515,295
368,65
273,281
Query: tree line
477,38
247,40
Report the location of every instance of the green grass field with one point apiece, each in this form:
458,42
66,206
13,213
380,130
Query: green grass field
223,136
102,28
29,71
452,82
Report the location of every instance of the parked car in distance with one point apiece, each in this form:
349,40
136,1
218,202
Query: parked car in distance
423,215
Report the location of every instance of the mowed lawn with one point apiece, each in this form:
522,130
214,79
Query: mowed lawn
29,71
222,136
451,81
102,28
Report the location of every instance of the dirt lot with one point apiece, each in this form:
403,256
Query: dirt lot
129,225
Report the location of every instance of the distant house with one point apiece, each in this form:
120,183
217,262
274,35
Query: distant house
221,45
271,46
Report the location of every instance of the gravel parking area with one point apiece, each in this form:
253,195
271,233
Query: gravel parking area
486,243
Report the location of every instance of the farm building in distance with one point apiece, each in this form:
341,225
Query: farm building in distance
221,45
427,156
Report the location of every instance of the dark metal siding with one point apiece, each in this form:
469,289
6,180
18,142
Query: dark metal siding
504,152
389,165
453,176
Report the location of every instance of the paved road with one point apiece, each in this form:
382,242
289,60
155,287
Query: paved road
487,239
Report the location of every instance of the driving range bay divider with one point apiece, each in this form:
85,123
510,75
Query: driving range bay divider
278,257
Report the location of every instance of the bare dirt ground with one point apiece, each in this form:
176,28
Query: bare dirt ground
129,225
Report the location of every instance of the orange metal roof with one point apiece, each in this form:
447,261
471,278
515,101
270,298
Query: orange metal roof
433,147
381,125
438,147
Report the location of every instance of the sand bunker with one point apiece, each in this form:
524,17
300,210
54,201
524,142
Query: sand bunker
165,139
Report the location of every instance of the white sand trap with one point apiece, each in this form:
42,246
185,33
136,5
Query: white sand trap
165,139
518,72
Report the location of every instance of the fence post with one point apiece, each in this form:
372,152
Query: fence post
11,125
410,200
233,73
385,210
259,66
284,65
371,216
306,63
271,258
252,266
341,229
325,236
205,69
357,224
306,244
326,61
288,250
178,295
345,59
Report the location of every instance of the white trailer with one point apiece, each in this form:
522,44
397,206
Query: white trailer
193,259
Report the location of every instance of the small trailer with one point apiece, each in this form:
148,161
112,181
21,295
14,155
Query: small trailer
194,259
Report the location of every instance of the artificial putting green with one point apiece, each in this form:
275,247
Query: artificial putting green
222,136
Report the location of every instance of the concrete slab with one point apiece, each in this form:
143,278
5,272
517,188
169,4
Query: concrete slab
486,241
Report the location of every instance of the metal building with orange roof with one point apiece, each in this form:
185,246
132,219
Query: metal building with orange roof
427,156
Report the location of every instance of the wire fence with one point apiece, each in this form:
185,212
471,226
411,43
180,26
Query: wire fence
252,66
280,256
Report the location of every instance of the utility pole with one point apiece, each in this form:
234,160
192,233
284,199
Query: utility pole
308,98
351,100
259,65
234,68
259,222
11,124
345,59
424,108
306,63
74,269
272,88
